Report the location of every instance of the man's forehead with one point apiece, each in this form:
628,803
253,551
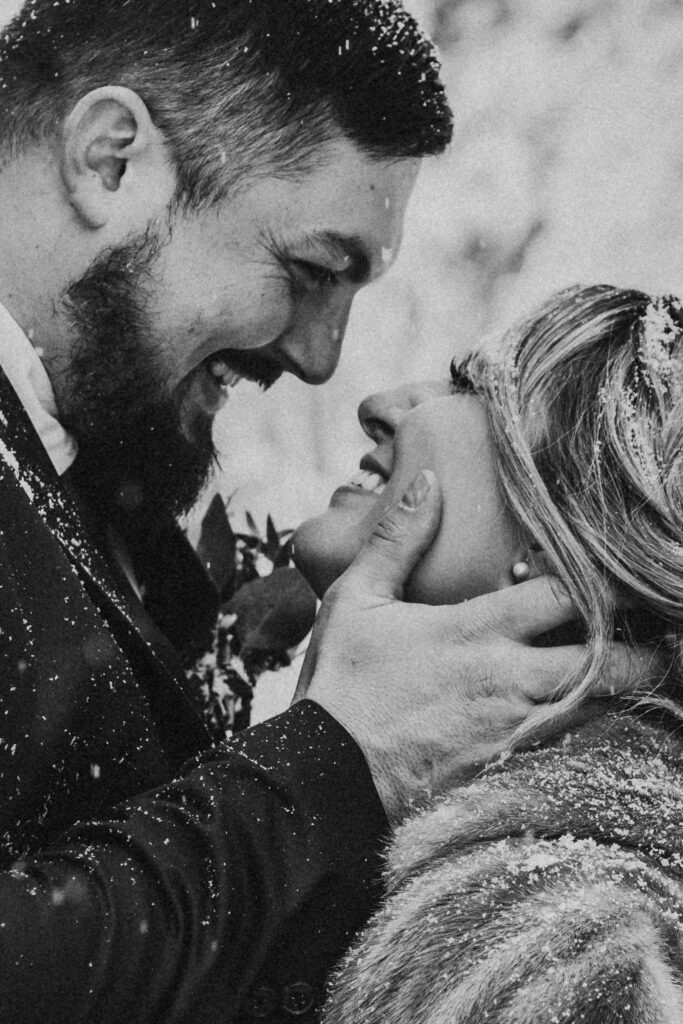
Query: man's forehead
350,190
347,214
361,241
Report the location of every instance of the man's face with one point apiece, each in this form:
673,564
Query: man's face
167,322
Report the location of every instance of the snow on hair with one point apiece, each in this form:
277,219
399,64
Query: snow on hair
237,87
585,402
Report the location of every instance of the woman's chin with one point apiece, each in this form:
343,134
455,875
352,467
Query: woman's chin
323,550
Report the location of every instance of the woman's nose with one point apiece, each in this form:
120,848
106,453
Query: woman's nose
381,413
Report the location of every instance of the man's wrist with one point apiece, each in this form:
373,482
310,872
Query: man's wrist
383,765
310,742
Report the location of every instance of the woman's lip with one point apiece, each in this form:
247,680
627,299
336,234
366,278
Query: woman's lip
348,491
373,465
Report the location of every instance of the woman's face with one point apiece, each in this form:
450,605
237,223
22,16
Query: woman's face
421,426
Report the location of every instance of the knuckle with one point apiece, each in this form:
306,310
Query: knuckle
480,684
470,632
496,675
480,622
501,627
389,530
487,683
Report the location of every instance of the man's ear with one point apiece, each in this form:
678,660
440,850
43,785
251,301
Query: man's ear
113,158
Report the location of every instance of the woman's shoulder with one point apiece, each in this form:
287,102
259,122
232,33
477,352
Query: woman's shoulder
616,779
551,888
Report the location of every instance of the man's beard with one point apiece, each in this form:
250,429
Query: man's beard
134,458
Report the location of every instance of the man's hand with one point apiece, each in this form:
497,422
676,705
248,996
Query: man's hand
432,693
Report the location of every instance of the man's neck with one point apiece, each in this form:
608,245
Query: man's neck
41,250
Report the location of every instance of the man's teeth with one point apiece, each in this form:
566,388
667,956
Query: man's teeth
368,481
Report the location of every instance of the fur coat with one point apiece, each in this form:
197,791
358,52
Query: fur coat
548,891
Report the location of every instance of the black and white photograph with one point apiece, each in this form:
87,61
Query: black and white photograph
341,511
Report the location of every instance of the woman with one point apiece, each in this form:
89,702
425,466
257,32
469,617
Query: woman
551,888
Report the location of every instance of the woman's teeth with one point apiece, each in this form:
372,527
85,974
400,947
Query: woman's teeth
368,481
222,373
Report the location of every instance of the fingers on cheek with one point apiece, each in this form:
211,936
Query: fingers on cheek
389,530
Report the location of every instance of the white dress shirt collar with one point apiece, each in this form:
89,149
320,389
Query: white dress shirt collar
27,375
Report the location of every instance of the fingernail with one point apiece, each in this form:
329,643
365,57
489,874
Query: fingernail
417,492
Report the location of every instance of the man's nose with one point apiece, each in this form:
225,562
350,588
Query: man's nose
313,346
381,413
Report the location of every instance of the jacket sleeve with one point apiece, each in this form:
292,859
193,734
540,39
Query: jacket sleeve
226,895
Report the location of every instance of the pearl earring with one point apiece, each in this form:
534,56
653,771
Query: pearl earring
520,572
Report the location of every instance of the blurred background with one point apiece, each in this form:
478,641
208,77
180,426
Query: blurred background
566,166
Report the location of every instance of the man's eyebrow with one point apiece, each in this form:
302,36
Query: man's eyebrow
336,248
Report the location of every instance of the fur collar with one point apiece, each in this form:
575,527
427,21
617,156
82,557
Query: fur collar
549,889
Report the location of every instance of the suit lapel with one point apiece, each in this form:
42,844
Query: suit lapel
23,455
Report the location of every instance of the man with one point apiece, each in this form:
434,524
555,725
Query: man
193,193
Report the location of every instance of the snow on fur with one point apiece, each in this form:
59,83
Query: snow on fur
548,890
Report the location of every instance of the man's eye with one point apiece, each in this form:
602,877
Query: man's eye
460,379
312,275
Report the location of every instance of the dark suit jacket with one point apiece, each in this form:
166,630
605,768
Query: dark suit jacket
225,895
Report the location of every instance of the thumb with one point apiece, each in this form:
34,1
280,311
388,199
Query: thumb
399,539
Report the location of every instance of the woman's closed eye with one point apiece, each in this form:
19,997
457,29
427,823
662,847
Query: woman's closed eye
460,379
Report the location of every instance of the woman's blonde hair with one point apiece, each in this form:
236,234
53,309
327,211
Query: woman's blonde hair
585,402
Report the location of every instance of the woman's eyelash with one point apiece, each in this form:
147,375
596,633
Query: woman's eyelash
459,377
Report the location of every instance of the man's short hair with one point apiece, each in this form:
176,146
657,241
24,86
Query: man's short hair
237,87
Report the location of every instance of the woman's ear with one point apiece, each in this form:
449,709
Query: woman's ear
535,563
113,159
528,563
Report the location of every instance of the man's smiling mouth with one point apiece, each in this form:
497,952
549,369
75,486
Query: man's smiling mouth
228,366
206,389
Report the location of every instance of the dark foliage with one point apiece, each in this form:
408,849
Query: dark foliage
266,608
